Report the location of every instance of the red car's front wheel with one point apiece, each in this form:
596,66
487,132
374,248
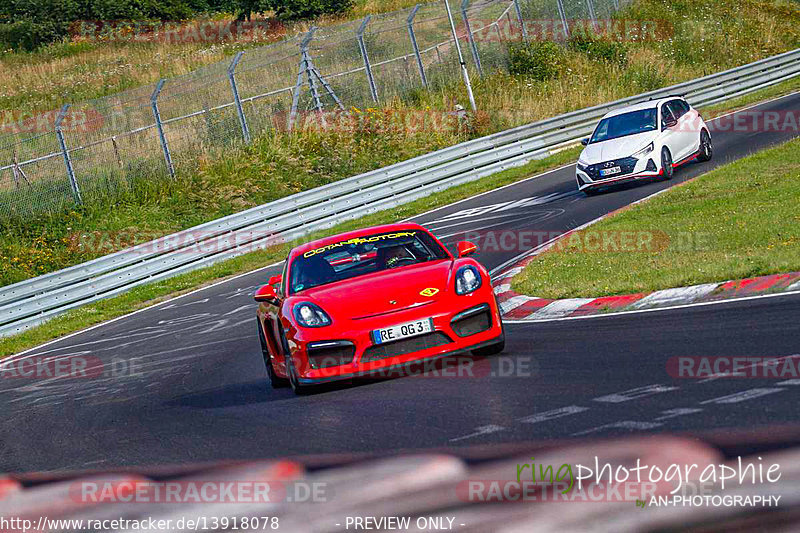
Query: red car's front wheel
275,380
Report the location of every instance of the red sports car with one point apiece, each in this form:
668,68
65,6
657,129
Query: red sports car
371,300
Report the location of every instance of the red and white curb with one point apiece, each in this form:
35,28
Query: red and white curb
519,307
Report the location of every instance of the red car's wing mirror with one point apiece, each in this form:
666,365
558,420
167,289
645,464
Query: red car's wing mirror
266,294
466,248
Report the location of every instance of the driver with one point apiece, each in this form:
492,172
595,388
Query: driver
394,256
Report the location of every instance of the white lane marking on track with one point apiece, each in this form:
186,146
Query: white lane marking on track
515,216
498,208
560,308
624,424
743,396
678,295
654,309
553,414
480,430
790,382
536,176
635,394
682,411
250,307
539,216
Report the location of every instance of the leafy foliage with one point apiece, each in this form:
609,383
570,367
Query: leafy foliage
29,24
538,60
599,49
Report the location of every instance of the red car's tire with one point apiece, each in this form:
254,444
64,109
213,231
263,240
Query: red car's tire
275,380
297,387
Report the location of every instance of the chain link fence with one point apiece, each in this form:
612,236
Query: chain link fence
95,149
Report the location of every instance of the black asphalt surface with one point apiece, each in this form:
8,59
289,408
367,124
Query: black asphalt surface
189,383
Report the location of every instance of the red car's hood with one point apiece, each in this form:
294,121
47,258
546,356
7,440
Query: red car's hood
374,294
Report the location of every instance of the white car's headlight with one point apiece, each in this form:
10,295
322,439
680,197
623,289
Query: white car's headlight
310,315
644,151
582,165
468,279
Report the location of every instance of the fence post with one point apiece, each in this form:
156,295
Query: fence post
360,34
236,99
616,5
73,183
563,15
160,127
412,35
470,38
464,72
592,15
298,87
521,20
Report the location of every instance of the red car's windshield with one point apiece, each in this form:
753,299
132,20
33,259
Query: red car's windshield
362,255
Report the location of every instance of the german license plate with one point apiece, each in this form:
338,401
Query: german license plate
402,331
610,171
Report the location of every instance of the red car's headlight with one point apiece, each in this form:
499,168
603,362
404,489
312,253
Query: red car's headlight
468,279
310,315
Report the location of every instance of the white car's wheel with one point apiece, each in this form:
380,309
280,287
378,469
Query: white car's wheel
666,163
706,148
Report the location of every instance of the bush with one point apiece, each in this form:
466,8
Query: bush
599,49
539,60
29,24
288,10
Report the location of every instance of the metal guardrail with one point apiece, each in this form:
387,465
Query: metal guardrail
33,301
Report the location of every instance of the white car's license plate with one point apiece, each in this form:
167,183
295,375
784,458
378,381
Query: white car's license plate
610,171
402,331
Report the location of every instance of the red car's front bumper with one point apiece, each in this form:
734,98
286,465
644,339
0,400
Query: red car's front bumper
369,358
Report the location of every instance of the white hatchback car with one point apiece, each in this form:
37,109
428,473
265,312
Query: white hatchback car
644,140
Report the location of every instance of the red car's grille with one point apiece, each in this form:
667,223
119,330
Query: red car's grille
330,353
472,322
405,346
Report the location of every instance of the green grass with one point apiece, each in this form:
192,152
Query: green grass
738,221
217,179
150,294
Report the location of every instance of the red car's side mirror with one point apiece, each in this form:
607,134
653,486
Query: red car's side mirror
466,248
266,294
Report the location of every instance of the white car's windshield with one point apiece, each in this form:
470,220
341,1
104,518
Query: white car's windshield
626,124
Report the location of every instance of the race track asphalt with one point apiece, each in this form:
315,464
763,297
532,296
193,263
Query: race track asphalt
188,381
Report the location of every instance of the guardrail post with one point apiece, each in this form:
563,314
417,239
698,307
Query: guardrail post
160,127
563,15
412,35
236,99
464,71
360,34
590,5
616,5
73,183
521,20
470,38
